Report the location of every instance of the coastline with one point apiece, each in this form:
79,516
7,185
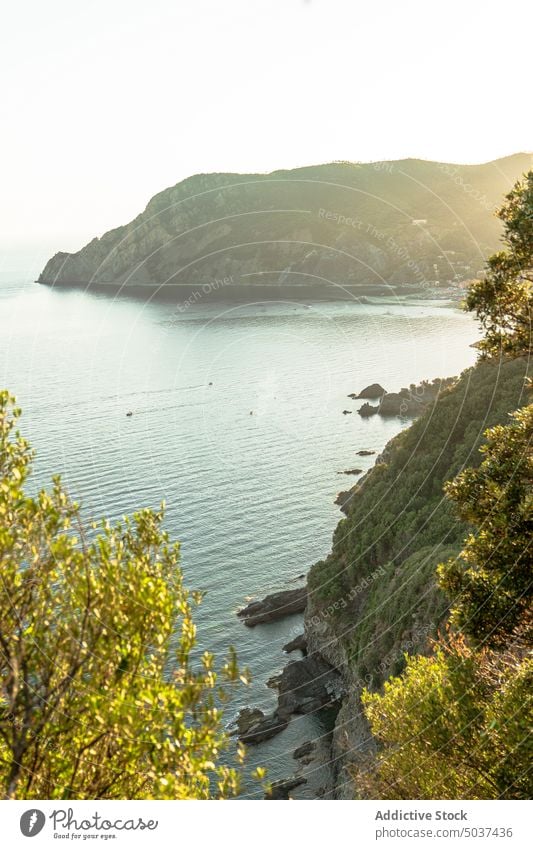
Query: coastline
187,295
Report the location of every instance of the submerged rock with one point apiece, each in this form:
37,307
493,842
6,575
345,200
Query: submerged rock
274,606
304,750
353,472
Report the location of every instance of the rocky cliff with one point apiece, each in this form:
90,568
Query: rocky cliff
327,227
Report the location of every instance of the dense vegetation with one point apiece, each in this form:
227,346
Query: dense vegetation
490,584
399,519
99,698
458,724
503,299
336,224
454,726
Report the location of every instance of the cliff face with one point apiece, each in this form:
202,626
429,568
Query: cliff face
325,226
375,597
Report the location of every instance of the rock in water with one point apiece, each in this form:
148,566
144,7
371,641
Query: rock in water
307,685
304,750
375,390
265,728
299,643
409,402
367,410
247,718
281,789
274,606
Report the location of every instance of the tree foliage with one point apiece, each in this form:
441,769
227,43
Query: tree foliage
491,582
99,697
454,726
458,724
503,300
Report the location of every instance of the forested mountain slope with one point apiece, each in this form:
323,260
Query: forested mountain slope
375,596
326,226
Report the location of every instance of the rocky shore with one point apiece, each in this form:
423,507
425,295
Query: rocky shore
307,685
351,742
320,679
323,677
409,401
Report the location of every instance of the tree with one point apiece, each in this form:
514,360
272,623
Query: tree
503,301
98,695
454,726
491,582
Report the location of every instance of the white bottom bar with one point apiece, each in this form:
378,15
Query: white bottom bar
258,825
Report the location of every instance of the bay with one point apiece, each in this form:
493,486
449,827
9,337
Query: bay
237,423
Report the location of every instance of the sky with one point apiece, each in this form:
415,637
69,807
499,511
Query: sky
104,103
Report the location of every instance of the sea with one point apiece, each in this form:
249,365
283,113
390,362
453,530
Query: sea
237,422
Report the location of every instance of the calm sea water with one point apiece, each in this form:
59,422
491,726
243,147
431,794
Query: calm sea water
237,423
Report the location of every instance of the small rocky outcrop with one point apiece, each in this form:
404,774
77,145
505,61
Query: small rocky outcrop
253,726
308,685
409,402
247,718
280,789
375,390
398,404
343,498
368,410
304,686
364,453
274,607
352,472
298,644
347,412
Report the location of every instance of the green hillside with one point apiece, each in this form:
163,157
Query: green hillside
327,226
400,525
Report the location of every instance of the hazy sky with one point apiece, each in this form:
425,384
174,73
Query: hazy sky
106,102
